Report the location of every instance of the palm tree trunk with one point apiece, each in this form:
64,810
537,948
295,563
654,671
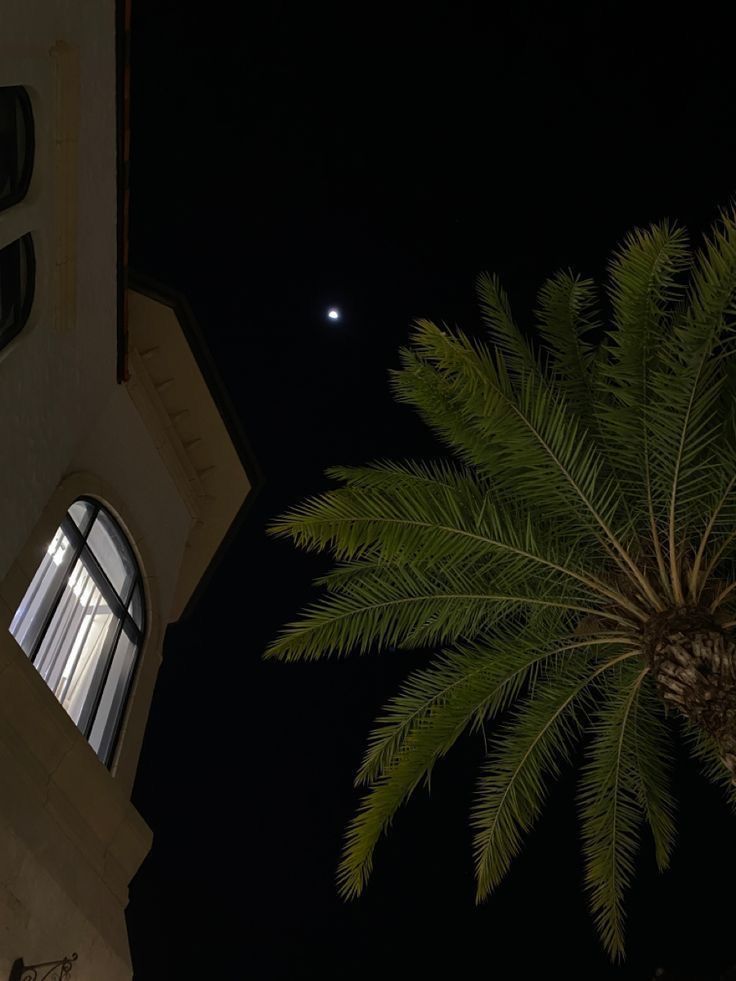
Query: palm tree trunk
693,662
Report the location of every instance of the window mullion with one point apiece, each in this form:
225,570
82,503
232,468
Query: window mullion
101,580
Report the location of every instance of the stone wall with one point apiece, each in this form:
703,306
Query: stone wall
70,841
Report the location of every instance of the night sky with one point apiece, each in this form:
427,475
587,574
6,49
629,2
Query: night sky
304,156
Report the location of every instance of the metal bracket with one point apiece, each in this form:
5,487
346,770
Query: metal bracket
53,970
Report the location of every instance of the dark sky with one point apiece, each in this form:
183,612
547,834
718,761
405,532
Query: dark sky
296,156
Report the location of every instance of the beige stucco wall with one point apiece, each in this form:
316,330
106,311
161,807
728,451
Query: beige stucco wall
52,354
70,841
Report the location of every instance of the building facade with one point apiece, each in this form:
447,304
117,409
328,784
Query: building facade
123,474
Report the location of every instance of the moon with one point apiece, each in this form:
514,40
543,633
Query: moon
333,313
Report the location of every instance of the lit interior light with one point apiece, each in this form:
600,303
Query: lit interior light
56,550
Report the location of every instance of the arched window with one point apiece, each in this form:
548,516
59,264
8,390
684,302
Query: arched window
81,621
16,144
17,285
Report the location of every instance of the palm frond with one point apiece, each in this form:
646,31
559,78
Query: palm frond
435,401
506,336
528,754
502,663
719,509
394,606
397,476
543,456
610,811
686,386
424,517
646,288
653,761
466,687
566,312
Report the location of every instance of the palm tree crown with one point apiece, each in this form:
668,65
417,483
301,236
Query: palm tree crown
572,570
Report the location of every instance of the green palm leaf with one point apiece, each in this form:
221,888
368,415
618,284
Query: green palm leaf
687,385
652,749
506,336
646,288
543,456
468,686
430,518
610,805
566,312
391,606
719,509
436,402
513,786
509,660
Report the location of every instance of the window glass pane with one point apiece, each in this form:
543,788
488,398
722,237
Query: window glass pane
113,698
71,618
16,144
35,605
81,514
136,608
111,551
75,648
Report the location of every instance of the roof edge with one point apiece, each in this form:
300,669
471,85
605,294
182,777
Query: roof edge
172,298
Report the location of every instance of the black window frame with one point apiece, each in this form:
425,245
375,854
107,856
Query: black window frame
24,182
25,243
118,605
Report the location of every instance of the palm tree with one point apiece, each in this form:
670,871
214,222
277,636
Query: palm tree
571,572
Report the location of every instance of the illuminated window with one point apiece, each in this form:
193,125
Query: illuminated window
81,621
17,283
16,145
